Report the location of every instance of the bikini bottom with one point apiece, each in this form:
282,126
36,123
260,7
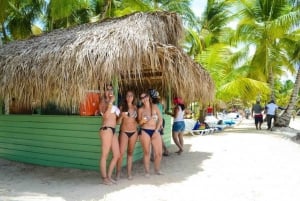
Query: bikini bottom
108,127
150,132
129,134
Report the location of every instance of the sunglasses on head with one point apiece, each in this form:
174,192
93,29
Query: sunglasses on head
143,97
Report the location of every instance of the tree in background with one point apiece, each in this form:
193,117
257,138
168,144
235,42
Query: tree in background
18,18
264,24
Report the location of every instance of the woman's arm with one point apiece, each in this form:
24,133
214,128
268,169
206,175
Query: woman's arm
160,120
173,113
120,117
140,119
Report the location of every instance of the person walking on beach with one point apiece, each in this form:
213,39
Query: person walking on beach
178,124
109,140
128,135
271,113
257,110
150,119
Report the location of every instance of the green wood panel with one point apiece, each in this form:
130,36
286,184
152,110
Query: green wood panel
57,140
45,162
52,132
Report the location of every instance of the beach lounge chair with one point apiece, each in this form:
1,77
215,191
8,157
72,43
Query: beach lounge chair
193,127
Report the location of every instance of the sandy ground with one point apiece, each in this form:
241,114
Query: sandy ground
238,164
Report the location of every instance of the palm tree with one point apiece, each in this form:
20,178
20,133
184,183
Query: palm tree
285,118
3,13
213,48
62,14
271,27
212,27
263,24
18,17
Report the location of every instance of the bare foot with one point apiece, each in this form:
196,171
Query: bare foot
166,153
106,181
129,177
179,151
159,173
118,176
112,181
147,175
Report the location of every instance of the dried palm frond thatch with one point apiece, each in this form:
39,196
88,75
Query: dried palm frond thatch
140,51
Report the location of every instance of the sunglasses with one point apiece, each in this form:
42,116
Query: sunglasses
143,97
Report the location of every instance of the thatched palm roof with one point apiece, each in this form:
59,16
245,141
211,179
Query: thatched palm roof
139,51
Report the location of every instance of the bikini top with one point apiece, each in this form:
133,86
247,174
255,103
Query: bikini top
154,117
114,109
132,114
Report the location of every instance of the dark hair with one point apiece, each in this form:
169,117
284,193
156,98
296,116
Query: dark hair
150,100
105,88
182,106
155,100
107,85
124,105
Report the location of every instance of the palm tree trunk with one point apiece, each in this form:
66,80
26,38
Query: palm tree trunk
271,84
107,9
285,118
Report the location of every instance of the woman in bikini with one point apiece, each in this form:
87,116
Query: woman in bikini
109,141
128,135
150,119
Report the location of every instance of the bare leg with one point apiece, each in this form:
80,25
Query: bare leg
157,145
123,140
130,150
116,155
175,136
106,139
151,153
164,147
145,141
180,136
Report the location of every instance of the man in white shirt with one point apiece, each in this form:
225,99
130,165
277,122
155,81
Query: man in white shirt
271,112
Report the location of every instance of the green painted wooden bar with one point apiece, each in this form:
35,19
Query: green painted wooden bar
57,140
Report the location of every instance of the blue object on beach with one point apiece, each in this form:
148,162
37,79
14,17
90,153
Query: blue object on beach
197,126
229,122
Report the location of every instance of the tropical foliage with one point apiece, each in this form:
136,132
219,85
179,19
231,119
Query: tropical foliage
247,46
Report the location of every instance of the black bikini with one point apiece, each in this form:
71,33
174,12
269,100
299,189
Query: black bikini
106,127
129,134
150,132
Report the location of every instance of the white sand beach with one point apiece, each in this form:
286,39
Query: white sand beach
238,164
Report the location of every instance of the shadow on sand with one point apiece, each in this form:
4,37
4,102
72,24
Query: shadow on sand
37,180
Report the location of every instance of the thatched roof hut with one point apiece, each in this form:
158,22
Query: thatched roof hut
138,51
